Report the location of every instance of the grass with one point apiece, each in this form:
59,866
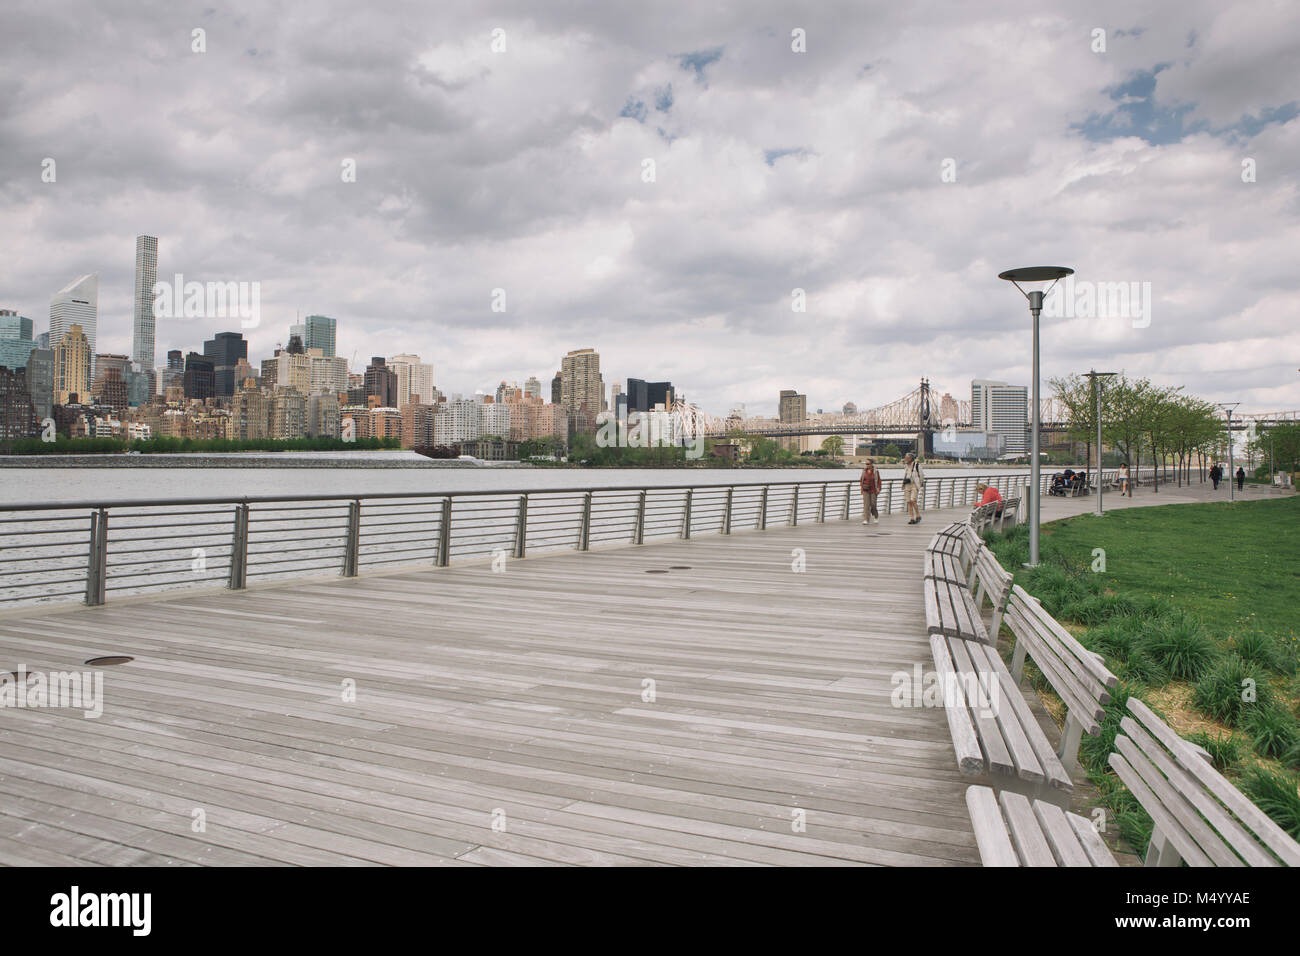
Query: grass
1193,607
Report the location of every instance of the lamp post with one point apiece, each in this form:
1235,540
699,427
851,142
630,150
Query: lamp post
1232,476
1035,275
1097,387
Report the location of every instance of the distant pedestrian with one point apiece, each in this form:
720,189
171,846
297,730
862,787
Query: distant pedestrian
913,483
1241,478
1125,482
1216,475
870,485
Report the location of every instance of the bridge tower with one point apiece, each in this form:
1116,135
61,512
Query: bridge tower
925,432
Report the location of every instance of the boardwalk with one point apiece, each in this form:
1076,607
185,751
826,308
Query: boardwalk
506,718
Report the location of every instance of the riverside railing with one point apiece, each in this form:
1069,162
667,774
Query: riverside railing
51,551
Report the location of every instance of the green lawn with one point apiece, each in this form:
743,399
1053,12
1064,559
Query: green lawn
1186,602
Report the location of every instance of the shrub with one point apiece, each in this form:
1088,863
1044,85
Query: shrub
1181,645
1275,794
1271,729
1225,750
1219,693
1264,650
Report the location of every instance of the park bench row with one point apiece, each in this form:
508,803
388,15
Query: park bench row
1020,811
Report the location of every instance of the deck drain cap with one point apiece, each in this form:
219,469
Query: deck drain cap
679,567
656,571
111,659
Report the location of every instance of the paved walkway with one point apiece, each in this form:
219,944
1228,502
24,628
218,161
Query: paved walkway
573,709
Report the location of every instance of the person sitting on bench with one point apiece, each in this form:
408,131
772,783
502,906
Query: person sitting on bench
989,495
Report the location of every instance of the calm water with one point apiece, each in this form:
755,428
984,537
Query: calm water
122,485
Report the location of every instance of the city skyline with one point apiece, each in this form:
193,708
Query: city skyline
824,170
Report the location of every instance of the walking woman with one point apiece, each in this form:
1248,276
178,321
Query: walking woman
1125,483
870,485
913,483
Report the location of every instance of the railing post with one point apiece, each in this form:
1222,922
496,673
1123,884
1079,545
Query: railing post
97,557
889,497
584,532
821,510
239,550
686,516
726,512
848,498
352,540
521,527
762,512
638,533
444,534
794,507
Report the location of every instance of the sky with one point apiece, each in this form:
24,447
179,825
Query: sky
656,180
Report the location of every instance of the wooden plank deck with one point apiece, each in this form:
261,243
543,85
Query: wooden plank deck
500,718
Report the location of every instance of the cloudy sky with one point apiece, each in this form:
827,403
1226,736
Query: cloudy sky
890,170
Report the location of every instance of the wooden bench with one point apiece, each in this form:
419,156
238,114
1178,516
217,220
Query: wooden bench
948,540
1011,830
1010,509
989,580
983,516
1077,675
993,731
1200,818
949,607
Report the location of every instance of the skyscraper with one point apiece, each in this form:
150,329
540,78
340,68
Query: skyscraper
77,303
580,384
199,377
72,366
557,388
381,382
1002,409
146,276
224,350
414,380
16,341
318,333
40,381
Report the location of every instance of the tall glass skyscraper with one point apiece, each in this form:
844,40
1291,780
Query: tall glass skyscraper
77,303
146,275
319,331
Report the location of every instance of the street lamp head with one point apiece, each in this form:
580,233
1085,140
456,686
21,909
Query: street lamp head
1032,275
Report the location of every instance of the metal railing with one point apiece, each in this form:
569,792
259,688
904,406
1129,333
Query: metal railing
51,551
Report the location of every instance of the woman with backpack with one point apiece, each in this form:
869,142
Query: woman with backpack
870,485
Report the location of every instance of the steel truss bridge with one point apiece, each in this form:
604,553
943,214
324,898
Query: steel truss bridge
918,415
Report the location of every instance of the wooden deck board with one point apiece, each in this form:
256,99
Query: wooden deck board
518,692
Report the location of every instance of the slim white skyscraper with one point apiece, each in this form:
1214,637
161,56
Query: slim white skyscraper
1001,408
146,276
77,303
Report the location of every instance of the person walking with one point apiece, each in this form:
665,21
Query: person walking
870,485
913,483
1241,478
1125,482
1216,475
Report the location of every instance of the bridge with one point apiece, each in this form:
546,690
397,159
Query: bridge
917,416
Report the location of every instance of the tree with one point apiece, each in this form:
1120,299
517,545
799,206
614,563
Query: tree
893,451
1123,416
833,446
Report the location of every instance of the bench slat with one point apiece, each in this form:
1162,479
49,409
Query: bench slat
1091,662
1194,803
1030,842
1268,832
996,755
1050,763
1091,841
991,834
1064,841
970,758
1085,708
1168,825
1010,718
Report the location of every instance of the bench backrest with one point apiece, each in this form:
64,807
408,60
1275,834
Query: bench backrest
1200,818
1078,675
1011,509
994,583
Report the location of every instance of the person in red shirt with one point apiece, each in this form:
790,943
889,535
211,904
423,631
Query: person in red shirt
870,485
990,495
